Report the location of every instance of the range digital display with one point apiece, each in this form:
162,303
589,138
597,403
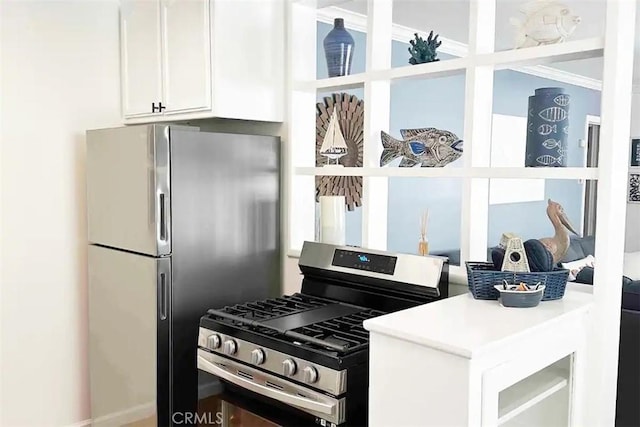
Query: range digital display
364,261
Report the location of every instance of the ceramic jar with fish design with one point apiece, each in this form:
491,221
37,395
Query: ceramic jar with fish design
547,128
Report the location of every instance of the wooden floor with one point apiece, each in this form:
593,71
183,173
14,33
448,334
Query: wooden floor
145,422
231,416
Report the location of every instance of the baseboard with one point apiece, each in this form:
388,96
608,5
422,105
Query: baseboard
120,418
81,423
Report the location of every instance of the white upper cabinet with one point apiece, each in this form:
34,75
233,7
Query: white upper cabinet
140,56
186,55
202,58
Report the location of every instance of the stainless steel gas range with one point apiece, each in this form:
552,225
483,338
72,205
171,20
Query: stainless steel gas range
306,354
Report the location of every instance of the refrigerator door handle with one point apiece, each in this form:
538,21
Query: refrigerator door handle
162,209
162,295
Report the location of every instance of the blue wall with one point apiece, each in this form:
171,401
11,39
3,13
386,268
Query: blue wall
440,103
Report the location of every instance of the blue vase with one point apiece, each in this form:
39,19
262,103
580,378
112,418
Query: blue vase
338,50
547,128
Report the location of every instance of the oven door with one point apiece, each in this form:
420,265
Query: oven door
242,381
221,409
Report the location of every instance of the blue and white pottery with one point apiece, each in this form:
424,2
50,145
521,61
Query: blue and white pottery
548,128
338,50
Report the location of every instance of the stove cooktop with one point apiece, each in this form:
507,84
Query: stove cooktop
331,328
309,351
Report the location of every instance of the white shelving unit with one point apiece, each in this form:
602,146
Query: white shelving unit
479,172
478,67
570,51
529,392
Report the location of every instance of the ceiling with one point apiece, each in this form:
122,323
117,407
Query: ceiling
449,18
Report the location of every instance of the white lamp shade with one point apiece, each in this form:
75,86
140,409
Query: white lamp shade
332,219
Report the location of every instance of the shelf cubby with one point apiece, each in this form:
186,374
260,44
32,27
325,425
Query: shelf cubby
474,172
547,54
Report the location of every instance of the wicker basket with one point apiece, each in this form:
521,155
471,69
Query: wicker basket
482,276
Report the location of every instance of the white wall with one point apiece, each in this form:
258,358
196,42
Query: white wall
632,243
60,76
291,276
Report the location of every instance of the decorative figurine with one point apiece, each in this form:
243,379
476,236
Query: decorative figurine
333,145
545,22
349,111
558,245
429,147
424,51
515,257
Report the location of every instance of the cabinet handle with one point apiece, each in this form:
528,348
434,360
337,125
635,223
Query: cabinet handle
157,109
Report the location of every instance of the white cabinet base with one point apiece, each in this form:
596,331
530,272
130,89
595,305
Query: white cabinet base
462,362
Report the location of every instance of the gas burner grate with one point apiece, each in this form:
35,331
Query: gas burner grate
335,336
346,331
274,307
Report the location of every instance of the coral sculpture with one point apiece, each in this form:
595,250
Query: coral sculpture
423,51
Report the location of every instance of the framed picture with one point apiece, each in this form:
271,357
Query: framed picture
634,188
635,152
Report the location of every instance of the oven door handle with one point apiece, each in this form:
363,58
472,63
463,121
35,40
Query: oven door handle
297,401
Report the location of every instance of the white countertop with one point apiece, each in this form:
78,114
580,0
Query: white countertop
467,327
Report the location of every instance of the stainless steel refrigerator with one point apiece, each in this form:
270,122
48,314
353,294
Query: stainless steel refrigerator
179,221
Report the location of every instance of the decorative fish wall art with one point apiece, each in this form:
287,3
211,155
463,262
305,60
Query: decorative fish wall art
429,147
545,22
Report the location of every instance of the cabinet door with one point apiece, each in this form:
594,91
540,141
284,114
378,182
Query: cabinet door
140,56
186,43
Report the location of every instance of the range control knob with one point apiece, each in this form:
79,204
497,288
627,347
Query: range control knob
230,347
257,356
288,367
213,341
310,374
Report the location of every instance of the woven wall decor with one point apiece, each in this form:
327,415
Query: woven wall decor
350,112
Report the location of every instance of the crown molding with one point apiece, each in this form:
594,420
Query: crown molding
560,76
358,22
319,4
